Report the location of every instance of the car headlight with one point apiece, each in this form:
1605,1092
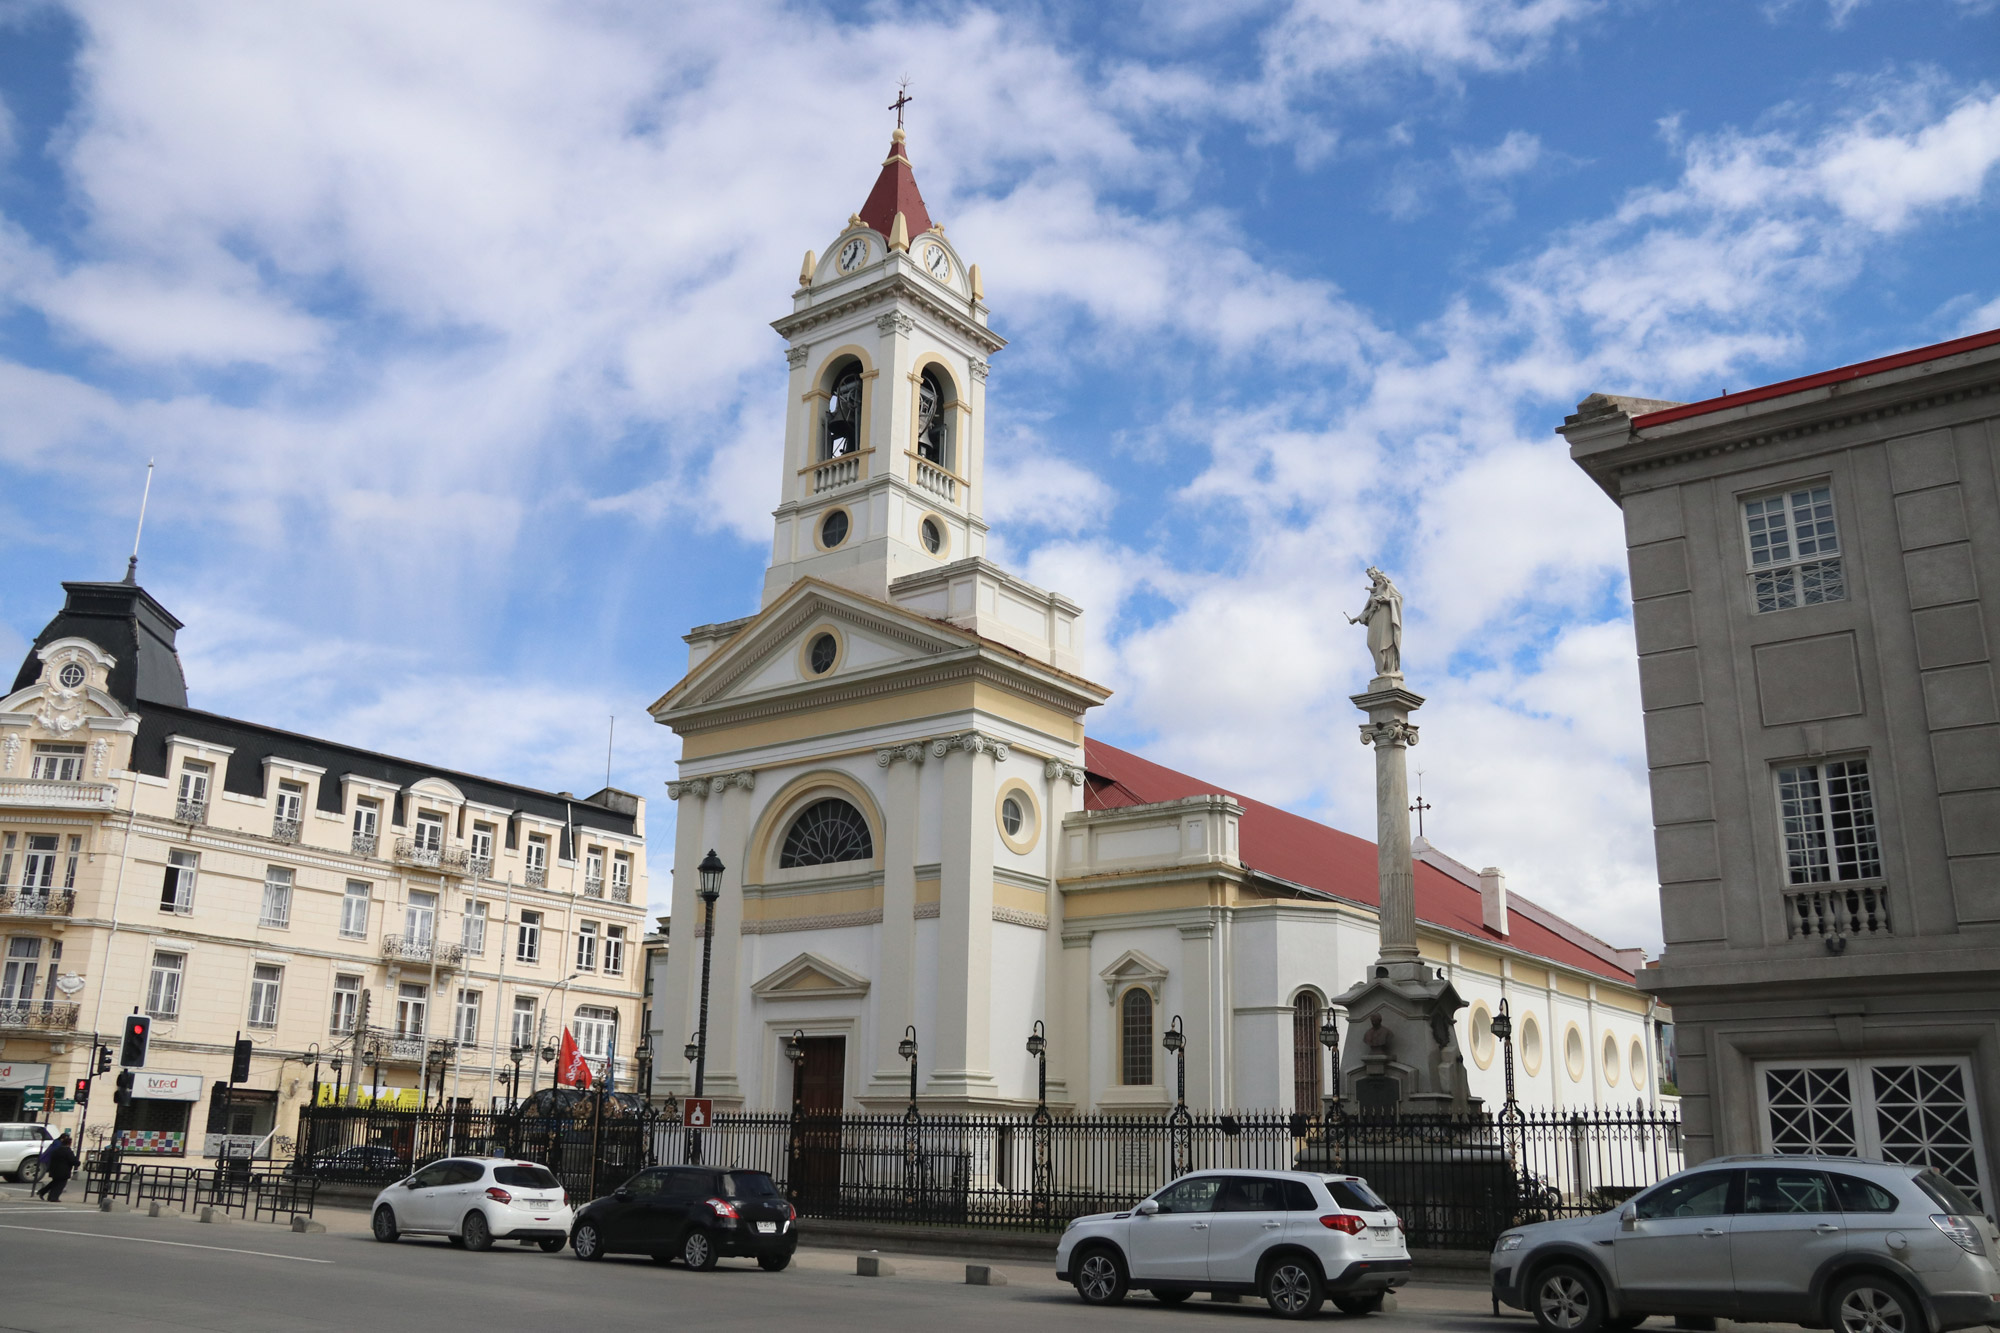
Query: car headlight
1507,1243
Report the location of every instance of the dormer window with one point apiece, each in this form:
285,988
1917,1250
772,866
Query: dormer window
934,419
842,432
192,807
58,763
290,813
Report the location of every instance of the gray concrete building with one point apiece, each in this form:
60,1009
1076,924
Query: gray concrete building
1815,566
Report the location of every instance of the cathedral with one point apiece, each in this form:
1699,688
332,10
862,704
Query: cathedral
925,861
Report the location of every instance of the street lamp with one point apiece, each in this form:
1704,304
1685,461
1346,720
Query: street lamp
1329,1037
907,1048
1503,1028
1176,1043
710,870
516,1053
1038,1046
693,1048
337,1063
795,1051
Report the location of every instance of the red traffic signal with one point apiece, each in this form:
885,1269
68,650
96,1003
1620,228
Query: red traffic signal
138,1029
83,1090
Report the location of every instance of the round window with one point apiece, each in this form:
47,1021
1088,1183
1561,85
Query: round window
821,654
1637,1064
71,676
1573,1056
1610,1058
1531,1045
1011,817
933,536
834,531
1482,1036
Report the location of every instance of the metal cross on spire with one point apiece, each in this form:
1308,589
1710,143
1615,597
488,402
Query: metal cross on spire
903,99
1421,805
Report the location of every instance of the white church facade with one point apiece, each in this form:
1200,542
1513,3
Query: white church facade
919,843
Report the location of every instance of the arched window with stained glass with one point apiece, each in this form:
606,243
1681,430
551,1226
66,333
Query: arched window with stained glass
825,832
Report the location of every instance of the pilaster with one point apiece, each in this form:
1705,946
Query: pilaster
894,992
963,1067
726,988
674,1007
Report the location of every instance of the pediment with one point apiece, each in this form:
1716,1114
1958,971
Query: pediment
1133,968
770,655
810,977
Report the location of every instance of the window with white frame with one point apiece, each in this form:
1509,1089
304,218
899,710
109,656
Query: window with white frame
6,861
430,834
265,979
354,909
594,1026
621,877
420,916
58,763
367,823
472,929
75,855
1919,1111
38,868
1794,548
586,946
593,872
346,1003
163,985
412,1007
22,968
177,888
538,860
480,849
1828,813
277,897
290,810
465,1019
614,951
193,804
524,1021
528,945
1135,1038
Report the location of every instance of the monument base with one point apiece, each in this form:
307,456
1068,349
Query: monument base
1402,1056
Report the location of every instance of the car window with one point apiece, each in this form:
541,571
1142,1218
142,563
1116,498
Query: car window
525,1177
1704,1194
465,1173
1355,1195
1947,1194
1196,1194
1786,1190
645,1185
1299,1197
689,1185
1861,1196
749,1185
429,1178
12,1134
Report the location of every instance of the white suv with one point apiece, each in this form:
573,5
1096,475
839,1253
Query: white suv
21,1149
1292,1237
474,1201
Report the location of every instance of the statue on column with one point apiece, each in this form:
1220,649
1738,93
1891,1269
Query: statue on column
1383,615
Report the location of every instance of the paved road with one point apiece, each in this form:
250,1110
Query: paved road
67,1267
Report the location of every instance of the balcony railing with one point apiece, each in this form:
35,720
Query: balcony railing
43,902
621,891
285,830
537,876
191,812
936,480
1833,913
421,949
362,844
834,473
593,886
411,852
479,867
40,1016
51,794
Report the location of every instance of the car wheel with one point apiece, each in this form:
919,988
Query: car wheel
30,1172
698,1250
1566,1299
1170,1297
586,1241
550,1244
1871,1304
1359,1304
1100,1277
478,1234
1291,1286
385,1224
774,1263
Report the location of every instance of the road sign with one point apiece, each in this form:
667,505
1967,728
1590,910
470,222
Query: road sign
33,1095
65,1104
697,1113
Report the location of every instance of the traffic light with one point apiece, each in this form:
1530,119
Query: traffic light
124,1094
138,1029
104,1059
239,1068
83,1092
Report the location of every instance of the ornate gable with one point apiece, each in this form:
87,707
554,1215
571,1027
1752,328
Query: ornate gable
810,977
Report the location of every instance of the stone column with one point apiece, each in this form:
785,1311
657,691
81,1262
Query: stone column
674,1007
894,990
728,993
960,1055
1391,732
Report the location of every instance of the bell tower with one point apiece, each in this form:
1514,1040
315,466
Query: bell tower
885,414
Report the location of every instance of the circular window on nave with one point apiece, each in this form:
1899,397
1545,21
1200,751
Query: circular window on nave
833,531
933,534
822,653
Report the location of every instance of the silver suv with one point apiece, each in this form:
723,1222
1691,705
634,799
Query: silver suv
1828,1242
21,1148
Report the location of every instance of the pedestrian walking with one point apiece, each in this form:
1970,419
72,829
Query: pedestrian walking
58,1163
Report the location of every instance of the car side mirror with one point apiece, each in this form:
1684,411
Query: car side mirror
621,1193
1147,1208
1628,1218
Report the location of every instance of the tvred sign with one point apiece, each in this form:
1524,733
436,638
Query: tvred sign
697,1113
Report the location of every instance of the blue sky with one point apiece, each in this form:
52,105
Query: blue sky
448,328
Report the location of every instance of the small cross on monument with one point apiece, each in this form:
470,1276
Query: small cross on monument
1421,805
903,99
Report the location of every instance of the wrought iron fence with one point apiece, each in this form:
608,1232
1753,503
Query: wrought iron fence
233,1187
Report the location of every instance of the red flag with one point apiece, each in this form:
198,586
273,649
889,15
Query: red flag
571,1067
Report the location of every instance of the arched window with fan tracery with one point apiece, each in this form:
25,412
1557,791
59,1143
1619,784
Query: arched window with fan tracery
825,832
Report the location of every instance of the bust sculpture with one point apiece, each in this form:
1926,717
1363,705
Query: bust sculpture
1383,615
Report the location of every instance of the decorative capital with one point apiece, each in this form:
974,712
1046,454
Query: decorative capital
980,368
1389,733
896,322
746,779
691,787
889,754
796,356
1055,770
972,742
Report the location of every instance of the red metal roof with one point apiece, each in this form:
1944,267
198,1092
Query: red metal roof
896,192
1291,847
1917,356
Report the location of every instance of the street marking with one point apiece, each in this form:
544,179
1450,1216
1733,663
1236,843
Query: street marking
177,1244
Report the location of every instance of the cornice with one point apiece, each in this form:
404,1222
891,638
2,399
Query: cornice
890,287
969,663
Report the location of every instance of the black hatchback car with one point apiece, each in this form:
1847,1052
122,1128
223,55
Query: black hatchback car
696,1214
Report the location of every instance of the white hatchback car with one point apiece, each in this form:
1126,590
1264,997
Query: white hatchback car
21,1148
474,1201
1294,1238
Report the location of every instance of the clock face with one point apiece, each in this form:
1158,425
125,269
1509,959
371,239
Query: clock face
937,261
852,254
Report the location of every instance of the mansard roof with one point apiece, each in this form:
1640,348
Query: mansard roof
125,621
1300,851
896,192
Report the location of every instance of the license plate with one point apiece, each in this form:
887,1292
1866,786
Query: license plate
768,1228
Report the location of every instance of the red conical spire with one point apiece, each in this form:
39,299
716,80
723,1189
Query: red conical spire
896,192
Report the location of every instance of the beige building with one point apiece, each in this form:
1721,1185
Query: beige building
325,902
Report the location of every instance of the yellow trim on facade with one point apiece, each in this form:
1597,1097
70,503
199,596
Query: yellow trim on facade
826,902
1570,986
1020,899
957,697
929,891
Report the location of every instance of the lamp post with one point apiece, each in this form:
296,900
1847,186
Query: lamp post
912,1140
710,869
1503,1028
313,1051
1180,1123
515,1053
643,1054
1038,1046
1329,1037
795,1051
337,1063
1040,1184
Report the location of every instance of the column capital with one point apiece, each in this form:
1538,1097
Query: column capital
1055,770
746,779
688,787
889,754
972,742
1393,732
